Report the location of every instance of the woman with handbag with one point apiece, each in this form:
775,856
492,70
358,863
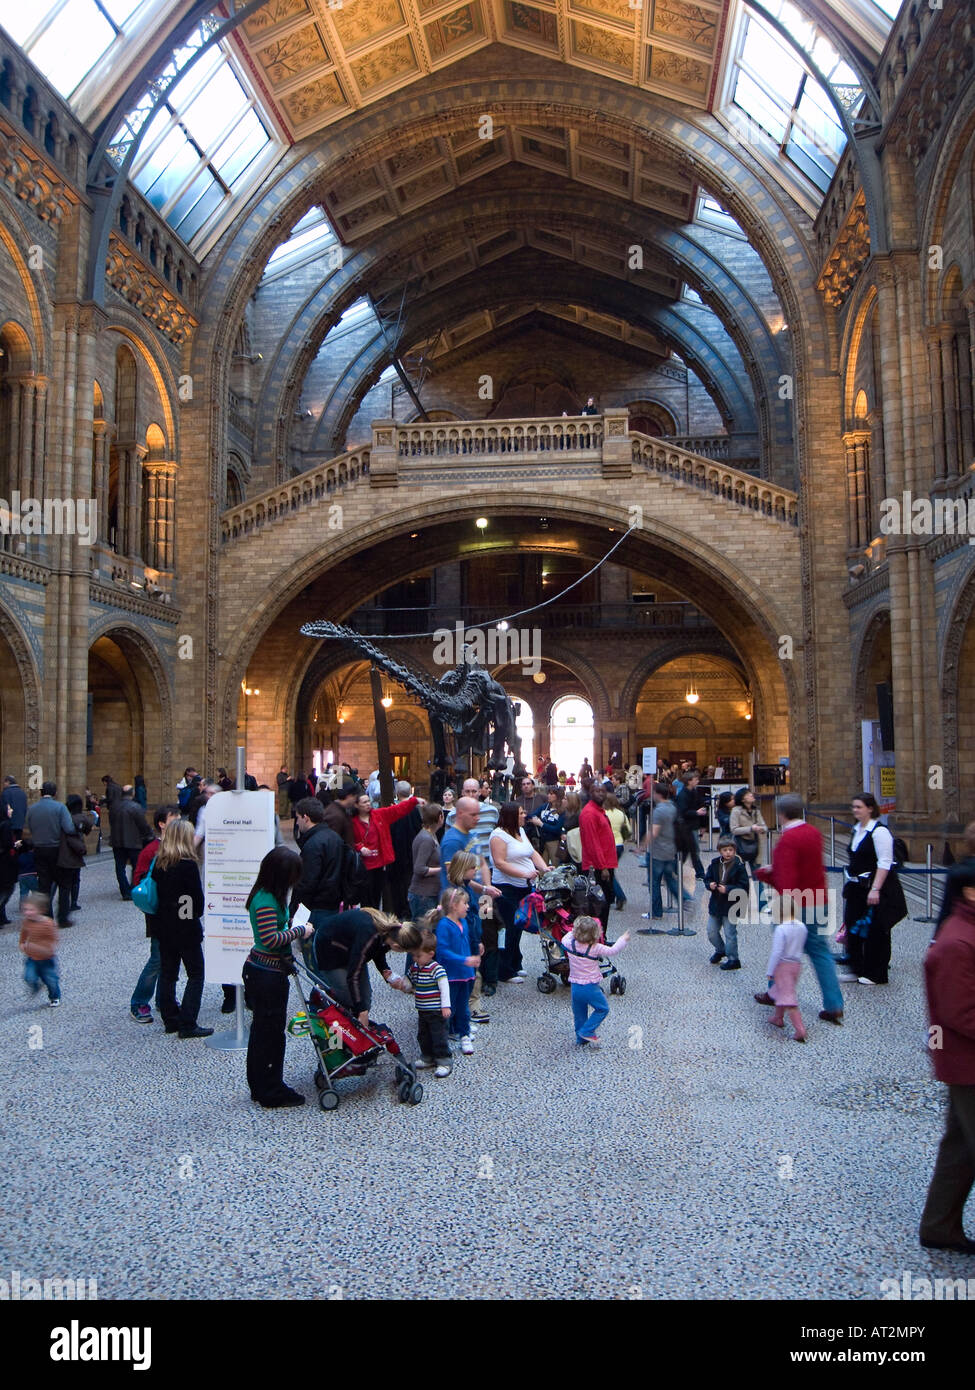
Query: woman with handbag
71,856
515,866
748,831
873,899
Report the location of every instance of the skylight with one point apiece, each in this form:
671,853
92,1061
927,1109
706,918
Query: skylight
206,145
776,103
66,38
311,239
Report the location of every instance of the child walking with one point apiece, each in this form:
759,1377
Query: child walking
784,965
727,880
585,950
39,943
455,955
431,993
462,870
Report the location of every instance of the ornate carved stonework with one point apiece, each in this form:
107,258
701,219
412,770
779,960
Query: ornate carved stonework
118,598
33,180
849,255
135,281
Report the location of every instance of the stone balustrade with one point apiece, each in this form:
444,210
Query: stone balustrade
287,498
660,618
721,480
710,446
499,438
603,442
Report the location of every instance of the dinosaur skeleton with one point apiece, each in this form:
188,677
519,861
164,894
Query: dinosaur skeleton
465,701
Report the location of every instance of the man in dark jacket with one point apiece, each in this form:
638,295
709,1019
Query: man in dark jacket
44,824
692,809
130,831
323,860
16,798
339,812
534,805
949,978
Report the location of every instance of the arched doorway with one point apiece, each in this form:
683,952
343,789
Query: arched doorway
572,733
129,717
19,712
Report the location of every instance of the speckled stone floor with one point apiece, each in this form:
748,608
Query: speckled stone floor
700,1154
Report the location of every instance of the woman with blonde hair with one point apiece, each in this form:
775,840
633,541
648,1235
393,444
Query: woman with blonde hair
178,925
343,946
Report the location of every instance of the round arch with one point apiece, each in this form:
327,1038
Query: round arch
957,675
260,641
20,708
131,708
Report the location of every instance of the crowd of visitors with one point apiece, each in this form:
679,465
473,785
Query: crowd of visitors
442,884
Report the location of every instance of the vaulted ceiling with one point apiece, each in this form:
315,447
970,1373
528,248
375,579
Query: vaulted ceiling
320,59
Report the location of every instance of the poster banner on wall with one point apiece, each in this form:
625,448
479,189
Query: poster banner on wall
239,832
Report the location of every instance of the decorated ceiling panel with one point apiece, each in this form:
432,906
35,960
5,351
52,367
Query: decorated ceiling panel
318,60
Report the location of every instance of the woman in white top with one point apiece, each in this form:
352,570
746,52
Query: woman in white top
515,865
873,899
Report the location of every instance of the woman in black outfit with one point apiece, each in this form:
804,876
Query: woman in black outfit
266,972
179,928
344,945
84,825
873,899
8,863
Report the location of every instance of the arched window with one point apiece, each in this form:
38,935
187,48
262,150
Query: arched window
572,733
525,725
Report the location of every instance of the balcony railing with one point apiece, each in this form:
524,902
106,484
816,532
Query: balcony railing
571,434
660,618
721,480
313,486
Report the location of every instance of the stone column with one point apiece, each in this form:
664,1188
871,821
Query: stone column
857,445
160,481
937,406
133,501
950,397
102,432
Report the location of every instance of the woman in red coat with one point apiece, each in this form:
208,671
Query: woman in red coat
370,826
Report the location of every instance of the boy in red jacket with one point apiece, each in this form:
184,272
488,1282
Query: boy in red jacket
797,868
949,978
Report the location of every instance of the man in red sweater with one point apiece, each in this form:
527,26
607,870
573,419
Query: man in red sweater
949,977
797,867
598,846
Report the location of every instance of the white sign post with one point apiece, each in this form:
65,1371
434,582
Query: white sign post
239,832
650,761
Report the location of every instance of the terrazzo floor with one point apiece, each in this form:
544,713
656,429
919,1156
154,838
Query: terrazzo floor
699,1154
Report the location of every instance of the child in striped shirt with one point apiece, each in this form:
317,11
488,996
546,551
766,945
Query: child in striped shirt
431,991
584,949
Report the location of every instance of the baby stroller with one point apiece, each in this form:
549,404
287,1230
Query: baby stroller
551,915
343,1046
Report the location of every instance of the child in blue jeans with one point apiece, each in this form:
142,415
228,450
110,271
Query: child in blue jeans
454,954
585,950
39,943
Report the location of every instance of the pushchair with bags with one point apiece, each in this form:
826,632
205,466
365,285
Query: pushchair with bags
343,1045
560,896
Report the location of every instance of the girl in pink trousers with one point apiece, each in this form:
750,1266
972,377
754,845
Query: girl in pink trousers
784,965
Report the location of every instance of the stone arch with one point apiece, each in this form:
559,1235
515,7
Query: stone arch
20,708
655,414
12,238
958,662
132,330
873,648
954,148
132,677
673,725
850,351
743,609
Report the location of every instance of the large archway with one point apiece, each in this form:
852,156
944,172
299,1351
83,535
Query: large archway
19,705
741,618
129,712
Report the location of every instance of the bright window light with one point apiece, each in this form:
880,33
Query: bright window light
780,97
204,145
66,38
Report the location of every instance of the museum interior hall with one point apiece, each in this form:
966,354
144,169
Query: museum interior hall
643,320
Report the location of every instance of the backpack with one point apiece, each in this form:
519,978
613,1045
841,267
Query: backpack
184,796
145,894
900,852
